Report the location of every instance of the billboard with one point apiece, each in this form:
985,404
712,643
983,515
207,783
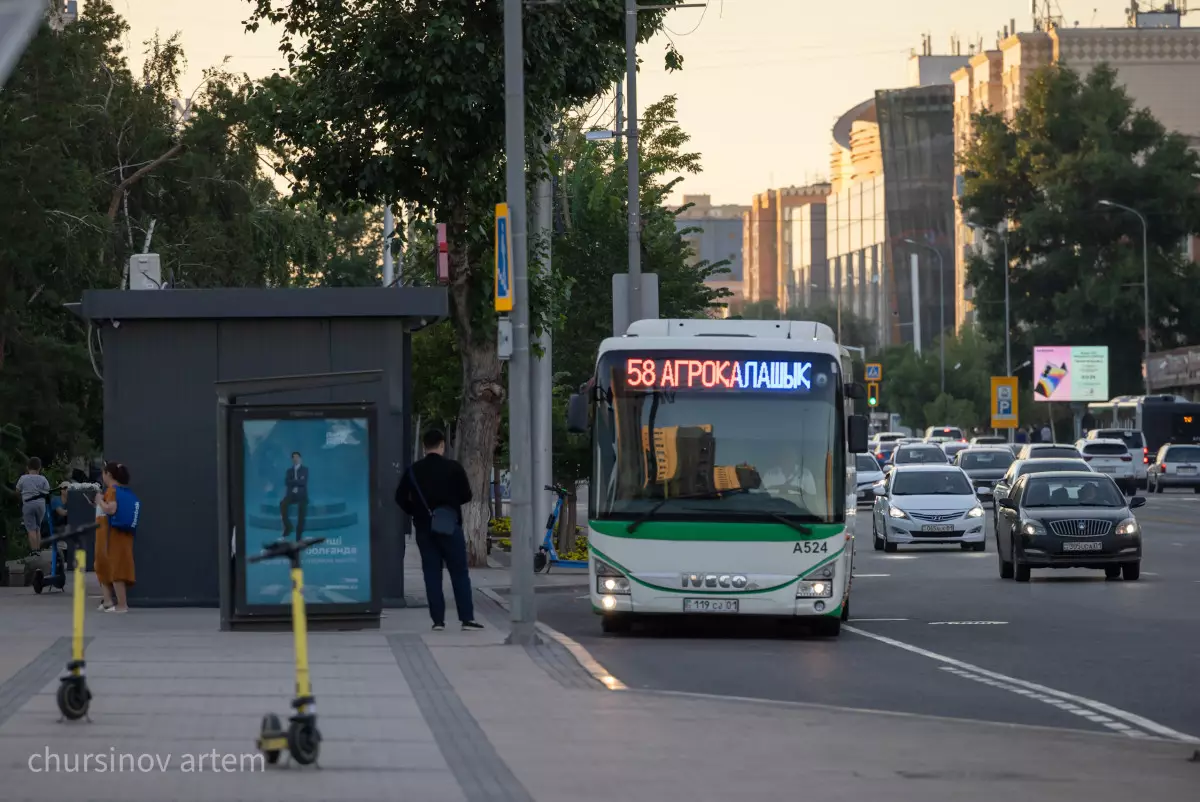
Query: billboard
1070,373
306,476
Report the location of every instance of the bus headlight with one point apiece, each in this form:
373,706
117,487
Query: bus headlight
818,589
610,581
617,585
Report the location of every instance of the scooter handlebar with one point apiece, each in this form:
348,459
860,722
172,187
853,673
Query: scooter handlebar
285,548
562,491
72,534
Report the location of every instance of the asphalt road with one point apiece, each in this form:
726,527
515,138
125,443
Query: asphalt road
936,631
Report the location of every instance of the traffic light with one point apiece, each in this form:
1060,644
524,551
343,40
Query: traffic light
873,394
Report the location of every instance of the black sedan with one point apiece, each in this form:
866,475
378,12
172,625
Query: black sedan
985,465
1068,520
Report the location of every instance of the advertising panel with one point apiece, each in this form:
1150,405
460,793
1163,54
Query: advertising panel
1070,373
307,476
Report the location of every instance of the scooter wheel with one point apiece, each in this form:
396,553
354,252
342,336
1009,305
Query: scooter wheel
39,581
60,581
304,742
540,561
73,698
271,727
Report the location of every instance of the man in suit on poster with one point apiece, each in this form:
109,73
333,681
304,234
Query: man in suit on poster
295,492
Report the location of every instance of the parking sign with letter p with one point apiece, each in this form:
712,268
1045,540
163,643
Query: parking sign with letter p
1004,402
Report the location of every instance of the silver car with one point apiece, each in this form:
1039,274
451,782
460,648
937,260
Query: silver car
869,474
934,504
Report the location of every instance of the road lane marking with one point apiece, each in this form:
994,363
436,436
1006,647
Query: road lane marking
864,620
1033,687
1066,707
869,576
964,623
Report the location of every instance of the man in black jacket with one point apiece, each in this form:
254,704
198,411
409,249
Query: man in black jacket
431,482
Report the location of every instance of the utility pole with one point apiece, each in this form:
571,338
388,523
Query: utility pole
635,212
543,385
520,442
389,226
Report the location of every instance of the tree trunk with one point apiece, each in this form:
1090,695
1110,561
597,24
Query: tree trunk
568,539
483,391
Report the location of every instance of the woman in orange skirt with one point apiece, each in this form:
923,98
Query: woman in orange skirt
114,547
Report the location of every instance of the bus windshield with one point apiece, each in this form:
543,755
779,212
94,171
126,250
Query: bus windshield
719,436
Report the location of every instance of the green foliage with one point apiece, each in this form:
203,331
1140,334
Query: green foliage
96,160
579,551
911,380
1077,266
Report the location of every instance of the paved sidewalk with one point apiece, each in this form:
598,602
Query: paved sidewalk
408,714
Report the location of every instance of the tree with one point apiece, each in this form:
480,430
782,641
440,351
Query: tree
99,163
406,101
1077,267
912,382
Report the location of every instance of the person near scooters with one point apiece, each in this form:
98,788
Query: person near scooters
114,544
432,492
34,490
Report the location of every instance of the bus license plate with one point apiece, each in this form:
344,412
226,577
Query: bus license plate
1083,546
937,528
710,605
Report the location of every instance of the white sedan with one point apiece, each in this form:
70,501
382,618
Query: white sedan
869,474
933,504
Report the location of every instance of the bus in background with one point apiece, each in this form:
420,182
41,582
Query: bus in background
722,480
1161,419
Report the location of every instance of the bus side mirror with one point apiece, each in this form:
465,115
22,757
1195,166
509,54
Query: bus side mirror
854,391
856,434
577,413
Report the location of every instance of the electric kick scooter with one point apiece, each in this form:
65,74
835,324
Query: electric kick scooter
73,696
58,569
302,739
547,555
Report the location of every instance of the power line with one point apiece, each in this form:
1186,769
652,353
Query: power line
698,22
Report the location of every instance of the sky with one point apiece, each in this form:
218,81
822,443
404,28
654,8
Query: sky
763,80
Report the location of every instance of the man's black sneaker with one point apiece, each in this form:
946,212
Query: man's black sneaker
438,627
472,625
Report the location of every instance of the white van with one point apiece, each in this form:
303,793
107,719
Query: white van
1135,441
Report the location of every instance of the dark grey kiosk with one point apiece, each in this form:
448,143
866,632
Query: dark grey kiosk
179,365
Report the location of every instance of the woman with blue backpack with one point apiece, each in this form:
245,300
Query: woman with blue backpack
117,512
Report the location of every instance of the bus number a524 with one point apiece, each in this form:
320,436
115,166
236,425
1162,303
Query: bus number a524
811,547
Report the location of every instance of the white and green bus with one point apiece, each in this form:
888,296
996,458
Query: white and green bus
721,478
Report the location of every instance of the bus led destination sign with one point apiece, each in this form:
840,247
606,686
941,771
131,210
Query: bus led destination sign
720,374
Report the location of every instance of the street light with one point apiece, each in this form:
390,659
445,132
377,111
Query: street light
941,304
1145,280
1000,230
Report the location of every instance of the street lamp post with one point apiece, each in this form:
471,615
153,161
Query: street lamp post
1001,232
1145,282
941,305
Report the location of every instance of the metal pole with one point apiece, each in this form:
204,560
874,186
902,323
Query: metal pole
1007,322
1146,293
542,388
389,226
635,224
520,444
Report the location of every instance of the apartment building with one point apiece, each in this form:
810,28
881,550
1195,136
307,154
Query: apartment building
715,235
767,240
1156,59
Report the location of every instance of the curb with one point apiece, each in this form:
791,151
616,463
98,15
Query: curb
581,655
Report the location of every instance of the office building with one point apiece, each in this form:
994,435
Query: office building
767,238
715,235
892,181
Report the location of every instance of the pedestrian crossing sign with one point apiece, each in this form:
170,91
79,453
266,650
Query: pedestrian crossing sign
874,372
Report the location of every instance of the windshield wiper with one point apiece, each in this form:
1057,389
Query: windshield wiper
799,527
646,516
